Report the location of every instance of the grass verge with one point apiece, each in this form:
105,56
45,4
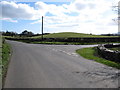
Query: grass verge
91,53
68,43
5,59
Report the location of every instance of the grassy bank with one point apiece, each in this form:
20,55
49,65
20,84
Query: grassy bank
5,59
91,53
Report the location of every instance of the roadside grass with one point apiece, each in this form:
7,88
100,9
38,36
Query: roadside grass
91,53
5,59
67,43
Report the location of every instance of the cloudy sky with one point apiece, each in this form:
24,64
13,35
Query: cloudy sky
82,16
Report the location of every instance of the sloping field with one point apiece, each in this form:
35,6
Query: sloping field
68,35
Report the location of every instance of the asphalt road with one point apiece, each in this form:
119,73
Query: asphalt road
56,66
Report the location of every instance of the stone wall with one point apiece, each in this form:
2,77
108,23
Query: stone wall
105,52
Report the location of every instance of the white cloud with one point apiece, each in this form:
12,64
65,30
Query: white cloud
41,8
92,15
51,8
17,11
8,20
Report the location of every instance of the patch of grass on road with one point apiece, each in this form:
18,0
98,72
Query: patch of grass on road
5,58
91,53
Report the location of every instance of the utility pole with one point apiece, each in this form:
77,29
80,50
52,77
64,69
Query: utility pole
42,28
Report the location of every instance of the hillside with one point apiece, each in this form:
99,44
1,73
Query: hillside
68,35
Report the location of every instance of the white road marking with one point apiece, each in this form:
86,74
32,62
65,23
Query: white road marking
68,53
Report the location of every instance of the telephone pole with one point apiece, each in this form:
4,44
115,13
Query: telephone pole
42,28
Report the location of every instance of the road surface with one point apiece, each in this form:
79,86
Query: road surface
56,66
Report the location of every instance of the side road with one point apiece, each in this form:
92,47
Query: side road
56,66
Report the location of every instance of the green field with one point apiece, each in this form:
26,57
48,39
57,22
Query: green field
69,35
62,35
91,54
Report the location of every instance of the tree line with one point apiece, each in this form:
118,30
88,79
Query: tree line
25,33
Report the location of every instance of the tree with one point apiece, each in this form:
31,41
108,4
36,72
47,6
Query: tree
27,33
7,33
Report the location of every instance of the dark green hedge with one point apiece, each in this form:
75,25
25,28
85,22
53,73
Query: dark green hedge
84,40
